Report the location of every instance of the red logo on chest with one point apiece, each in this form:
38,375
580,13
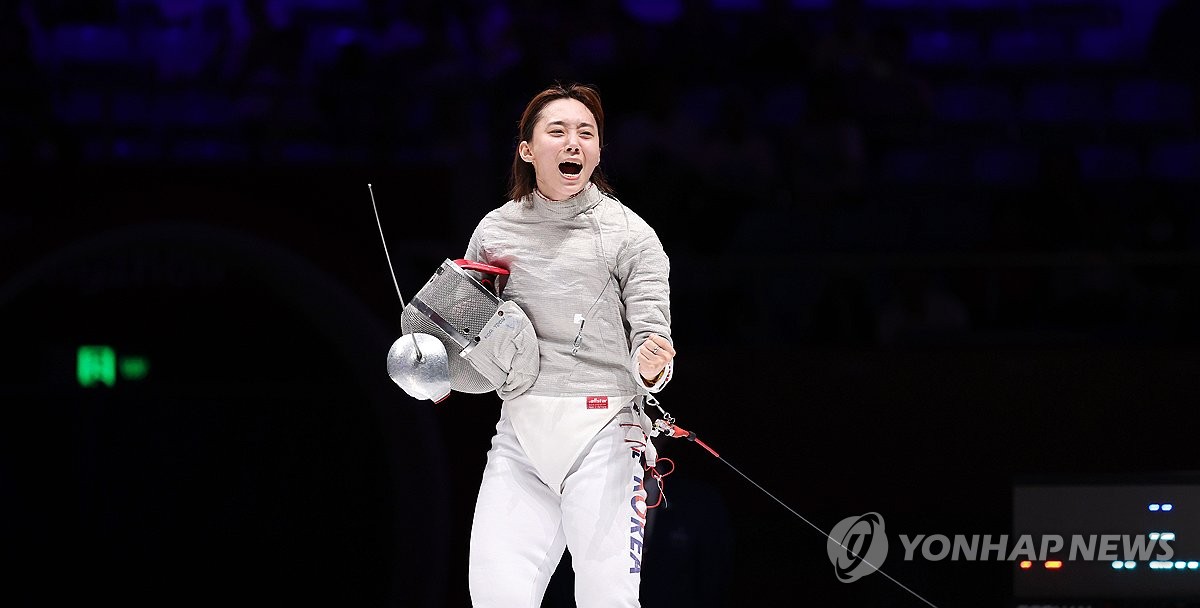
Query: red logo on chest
597,403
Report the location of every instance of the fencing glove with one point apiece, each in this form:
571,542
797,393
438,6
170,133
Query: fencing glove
507,353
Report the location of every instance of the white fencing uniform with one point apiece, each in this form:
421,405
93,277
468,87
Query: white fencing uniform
564,470
596,506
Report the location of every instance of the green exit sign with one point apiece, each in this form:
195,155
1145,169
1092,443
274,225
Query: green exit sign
97,365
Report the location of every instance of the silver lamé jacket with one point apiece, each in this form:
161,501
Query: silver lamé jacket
592,278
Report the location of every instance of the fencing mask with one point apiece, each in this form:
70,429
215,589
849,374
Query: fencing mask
455,308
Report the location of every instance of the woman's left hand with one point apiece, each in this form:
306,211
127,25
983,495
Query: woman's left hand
653,356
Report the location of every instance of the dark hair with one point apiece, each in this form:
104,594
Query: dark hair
523,181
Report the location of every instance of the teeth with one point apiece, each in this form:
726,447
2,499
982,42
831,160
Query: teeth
578,167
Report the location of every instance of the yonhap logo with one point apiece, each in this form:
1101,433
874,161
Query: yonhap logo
857,546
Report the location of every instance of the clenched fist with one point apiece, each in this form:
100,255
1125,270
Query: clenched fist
653,356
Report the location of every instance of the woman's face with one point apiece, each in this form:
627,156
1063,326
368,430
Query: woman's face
564,149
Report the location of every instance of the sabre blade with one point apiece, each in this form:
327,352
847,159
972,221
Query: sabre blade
420,356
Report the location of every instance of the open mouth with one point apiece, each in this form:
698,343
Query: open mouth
570,168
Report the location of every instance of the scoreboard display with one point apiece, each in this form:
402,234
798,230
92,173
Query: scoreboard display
1125,540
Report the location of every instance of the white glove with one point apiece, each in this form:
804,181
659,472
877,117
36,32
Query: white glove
507,353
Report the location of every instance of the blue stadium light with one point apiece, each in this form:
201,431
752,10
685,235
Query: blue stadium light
1193,565
1154,536
1153,506
1180,565
1168,536
1130,565
1167,507
1118,565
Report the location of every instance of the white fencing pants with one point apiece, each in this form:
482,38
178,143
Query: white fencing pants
522,525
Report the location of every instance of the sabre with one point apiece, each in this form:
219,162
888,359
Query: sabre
422,373
420,355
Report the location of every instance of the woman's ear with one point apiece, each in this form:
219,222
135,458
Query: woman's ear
525,151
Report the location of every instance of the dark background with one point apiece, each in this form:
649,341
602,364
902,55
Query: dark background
919,249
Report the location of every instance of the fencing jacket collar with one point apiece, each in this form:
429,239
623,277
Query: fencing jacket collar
569,207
